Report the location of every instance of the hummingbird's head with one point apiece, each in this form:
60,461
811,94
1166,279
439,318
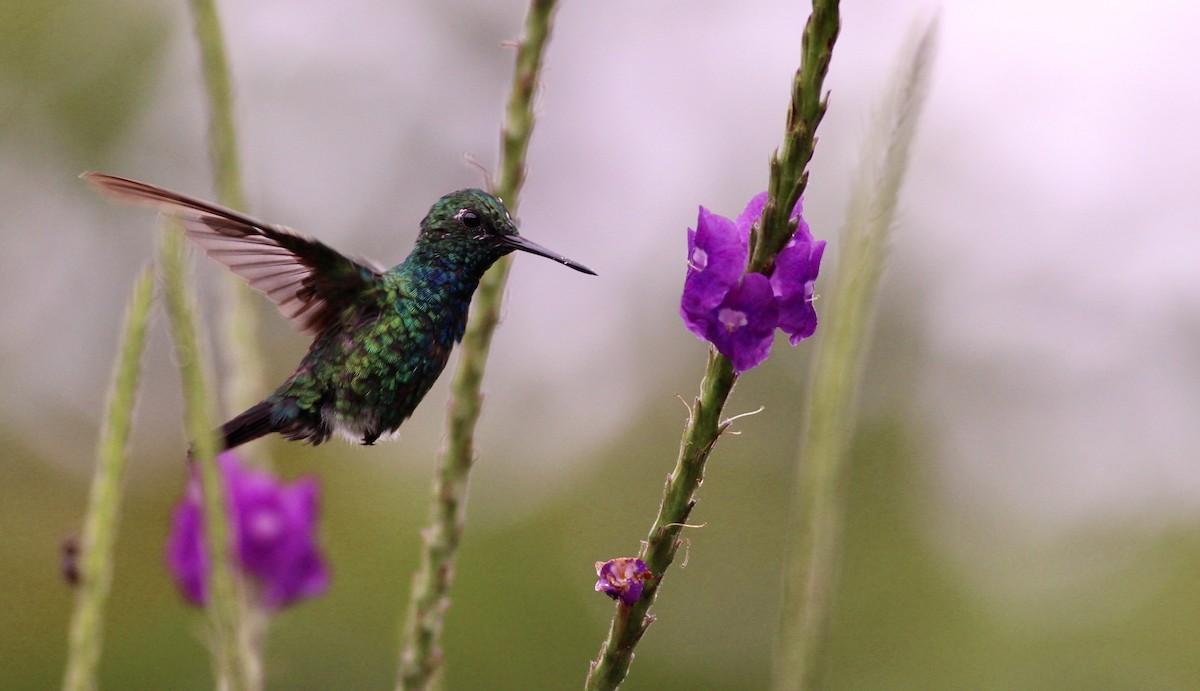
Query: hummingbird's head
478,221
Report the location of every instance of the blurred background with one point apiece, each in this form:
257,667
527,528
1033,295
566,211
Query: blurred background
1025,485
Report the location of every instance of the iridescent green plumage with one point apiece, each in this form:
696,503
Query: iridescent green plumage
381,337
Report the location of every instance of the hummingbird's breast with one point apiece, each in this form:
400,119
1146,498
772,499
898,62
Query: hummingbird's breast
377,369
364,376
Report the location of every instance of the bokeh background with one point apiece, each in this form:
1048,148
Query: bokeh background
1025,482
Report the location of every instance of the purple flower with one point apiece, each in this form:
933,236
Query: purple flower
792,281
716,260
622,578
736,311
744,323
273,528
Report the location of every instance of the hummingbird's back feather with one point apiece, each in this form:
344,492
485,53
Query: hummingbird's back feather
311,283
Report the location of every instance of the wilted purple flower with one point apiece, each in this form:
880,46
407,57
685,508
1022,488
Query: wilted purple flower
273,528
736,311
622,578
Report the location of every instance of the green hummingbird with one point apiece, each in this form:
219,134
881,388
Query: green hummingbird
381,336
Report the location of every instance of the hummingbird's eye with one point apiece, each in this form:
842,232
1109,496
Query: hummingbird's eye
469,218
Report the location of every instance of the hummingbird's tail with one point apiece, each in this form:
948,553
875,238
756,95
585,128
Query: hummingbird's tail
248,426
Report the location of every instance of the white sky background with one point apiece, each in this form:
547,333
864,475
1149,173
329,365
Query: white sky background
1063,220
1050,217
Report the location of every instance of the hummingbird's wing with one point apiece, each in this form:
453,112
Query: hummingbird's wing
311,283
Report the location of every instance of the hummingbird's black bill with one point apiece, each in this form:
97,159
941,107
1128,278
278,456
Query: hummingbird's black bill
520,243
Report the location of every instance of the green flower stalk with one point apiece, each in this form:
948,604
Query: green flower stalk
420,655
241,331
103,514
767,240
789,176
236,644
237,664
819,502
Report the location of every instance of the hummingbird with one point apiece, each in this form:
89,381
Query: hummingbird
381,336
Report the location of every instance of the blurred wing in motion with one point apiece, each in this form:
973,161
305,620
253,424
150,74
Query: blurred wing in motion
311,283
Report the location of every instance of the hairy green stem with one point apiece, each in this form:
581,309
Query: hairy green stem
420,656
239,647
819,503
788,165
788,178
104,502
240,335
236,662
704,426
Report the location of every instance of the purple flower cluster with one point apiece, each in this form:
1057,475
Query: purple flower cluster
736,311
273,528
622,578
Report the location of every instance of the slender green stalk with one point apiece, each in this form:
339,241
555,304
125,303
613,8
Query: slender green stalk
239,629
704,426
237,664
788,178
819,502
222,135
240,333
104,502
420,656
